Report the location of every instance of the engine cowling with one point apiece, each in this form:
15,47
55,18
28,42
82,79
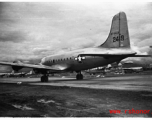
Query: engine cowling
16,68
40,71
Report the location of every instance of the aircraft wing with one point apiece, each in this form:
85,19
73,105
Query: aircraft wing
53,68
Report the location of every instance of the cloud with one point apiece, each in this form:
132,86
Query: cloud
13,36
34,30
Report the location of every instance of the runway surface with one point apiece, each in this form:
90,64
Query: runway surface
135,82
67,97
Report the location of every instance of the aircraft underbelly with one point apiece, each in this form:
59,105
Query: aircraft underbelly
93,62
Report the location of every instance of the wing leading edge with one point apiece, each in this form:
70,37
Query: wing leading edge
53,68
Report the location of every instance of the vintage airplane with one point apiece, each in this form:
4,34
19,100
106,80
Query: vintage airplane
114,49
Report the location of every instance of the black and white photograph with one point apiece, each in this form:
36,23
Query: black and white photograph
76,59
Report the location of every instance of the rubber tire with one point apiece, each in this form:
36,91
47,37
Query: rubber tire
44,78
79,77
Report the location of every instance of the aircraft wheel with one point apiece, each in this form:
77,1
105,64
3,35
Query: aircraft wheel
44,78
79,76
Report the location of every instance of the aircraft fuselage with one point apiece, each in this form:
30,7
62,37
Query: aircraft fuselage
68,59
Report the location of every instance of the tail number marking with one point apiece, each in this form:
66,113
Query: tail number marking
118,38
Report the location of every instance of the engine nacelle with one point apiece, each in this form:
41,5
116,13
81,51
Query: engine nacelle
16,68
40,71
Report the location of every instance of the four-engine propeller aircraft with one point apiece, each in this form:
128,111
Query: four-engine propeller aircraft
114,49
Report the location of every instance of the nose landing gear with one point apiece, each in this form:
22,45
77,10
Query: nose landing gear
44,78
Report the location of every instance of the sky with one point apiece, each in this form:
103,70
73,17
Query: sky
33,30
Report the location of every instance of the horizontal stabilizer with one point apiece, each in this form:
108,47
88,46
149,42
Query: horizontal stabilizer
141,56
115,55
107,55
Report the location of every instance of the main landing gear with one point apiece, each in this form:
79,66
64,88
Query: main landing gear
44,78
79,76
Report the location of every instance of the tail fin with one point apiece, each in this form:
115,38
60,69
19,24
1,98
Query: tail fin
119,35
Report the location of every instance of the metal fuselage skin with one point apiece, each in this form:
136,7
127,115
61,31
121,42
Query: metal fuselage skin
68,61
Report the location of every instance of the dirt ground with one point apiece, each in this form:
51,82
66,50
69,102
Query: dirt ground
52,101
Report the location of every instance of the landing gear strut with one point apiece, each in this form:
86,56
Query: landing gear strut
44,78
79,76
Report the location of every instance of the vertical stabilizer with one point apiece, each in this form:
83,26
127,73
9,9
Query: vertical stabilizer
119,35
